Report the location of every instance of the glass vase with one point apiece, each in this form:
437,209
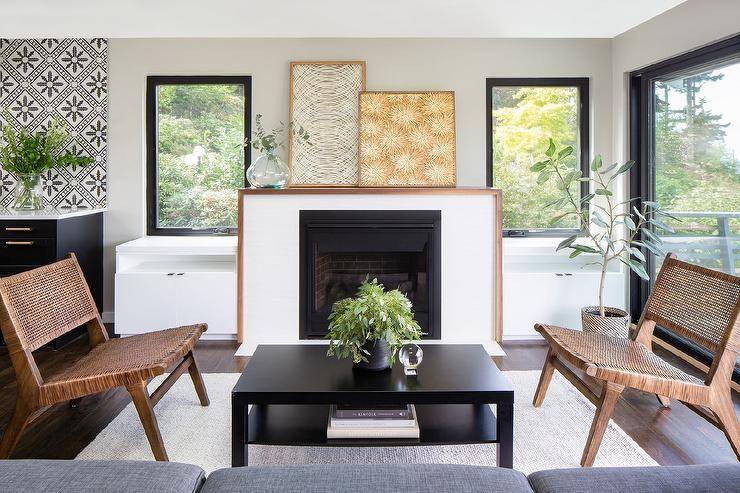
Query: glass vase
29,194
268,171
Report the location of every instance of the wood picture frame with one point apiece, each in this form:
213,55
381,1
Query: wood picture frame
332,159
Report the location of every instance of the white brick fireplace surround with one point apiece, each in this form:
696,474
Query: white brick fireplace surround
268,258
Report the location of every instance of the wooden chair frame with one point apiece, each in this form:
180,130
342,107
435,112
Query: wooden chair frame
35,395
712,400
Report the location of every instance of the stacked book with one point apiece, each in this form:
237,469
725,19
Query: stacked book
392,421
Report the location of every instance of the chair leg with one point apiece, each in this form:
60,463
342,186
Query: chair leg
724,410
18,422
200,387
545,377
143,405
609,396
664,401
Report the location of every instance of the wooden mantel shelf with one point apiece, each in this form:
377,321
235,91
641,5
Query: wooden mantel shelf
369,191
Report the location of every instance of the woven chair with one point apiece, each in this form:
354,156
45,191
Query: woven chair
40,305
699,304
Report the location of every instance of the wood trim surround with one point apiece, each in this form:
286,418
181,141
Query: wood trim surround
363,64
498,229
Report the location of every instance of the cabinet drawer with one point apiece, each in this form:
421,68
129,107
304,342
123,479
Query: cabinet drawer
27,229
35,251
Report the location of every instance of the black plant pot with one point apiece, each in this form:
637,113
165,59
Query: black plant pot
379,357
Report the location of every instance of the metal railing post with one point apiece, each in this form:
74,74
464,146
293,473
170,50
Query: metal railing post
727,253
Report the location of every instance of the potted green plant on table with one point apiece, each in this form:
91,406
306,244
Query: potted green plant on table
269,170
372,327
28,155
602,220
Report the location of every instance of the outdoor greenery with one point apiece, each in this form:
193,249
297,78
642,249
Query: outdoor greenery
604,216
696,169
374,314
200,154
524,119
23,153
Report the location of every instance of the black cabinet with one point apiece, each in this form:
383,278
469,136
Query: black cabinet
29,243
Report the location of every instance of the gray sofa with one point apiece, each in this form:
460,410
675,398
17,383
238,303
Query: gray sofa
162,477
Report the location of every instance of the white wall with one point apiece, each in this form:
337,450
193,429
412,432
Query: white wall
688,26
402,64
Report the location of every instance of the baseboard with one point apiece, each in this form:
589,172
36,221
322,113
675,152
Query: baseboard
523,338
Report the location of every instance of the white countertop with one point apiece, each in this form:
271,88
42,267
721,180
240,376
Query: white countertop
49,213
180,245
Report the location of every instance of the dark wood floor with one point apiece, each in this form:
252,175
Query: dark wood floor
670,436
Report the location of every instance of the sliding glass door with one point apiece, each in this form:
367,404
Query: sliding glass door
685,137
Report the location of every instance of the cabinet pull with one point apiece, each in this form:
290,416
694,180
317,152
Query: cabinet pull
170,273
19,243
180,273
15,228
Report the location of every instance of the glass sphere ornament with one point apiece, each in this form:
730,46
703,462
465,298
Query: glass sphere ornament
410,356
268,171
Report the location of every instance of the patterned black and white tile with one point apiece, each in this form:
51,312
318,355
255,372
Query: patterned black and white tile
64,79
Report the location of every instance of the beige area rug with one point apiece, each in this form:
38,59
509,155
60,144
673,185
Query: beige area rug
550,437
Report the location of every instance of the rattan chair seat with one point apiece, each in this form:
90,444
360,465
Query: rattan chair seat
614,354
121,361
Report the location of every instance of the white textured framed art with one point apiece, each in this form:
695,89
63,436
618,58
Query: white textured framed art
324,100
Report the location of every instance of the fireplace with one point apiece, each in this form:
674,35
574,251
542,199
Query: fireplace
339,249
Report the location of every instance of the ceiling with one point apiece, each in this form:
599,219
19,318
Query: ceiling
326,18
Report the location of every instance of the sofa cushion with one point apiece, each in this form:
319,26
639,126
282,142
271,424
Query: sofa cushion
714,478
408,478
98,476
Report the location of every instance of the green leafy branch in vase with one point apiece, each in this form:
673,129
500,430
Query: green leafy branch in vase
601,219
23,153
269,142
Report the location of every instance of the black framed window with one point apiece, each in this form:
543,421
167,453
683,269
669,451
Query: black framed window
196,162
522,114
685,137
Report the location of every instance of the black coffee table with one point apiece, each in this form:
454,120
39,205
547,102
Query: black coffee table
290,388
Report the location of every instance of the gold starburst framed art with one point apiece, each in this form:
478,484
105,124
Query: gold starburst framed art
407,139
323,99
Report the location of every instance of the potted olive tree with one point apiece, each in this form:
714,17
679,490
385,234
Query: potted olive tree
602,220
372,327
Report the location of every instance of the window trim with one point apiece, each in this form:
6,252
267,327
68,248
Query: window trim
152,169
641,149
584,137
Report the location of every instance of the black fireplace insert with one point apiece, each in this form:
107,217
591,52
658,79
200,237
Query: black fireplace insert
339,249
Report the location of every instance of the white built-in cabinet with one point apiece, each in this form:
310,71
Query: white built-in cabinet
164,281
542,286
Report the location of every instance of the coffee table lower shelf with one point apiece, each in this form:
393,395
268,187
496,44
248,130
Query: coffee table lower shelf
305,425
